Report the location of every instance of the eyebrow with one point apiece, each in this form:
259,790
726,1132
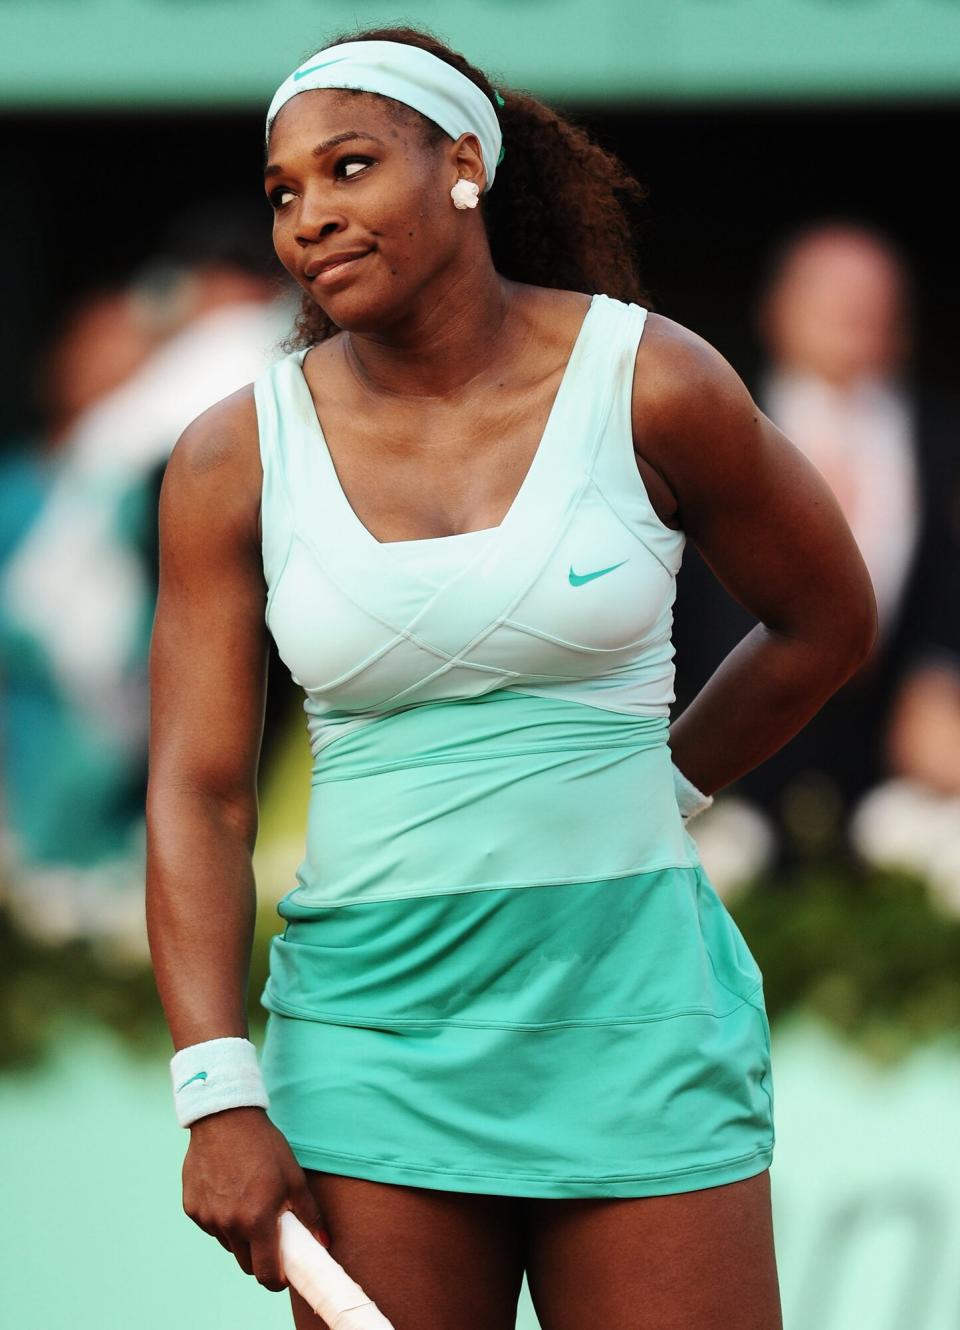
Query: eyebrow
274,168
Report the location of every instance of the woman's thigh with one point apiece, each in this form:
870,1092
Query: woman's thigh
697,1260
429,1259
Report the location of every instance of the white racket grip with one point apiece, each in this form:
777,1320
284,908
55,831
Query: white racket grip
323,1283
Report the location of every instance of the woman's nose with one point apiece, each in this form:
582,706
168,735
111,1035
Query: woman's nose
318,217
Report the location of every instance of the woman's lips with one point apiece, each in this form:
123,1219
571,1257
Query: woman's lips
327,276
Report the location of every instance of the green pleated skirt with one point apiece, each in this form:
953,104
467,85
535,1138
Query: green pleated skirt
598,1038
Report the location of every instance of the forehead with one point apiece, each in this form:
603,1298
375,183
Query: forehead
837,269
321,113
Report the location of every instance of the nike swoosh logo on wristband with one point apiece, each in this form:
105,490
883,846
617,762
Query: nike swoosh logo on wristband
198,1076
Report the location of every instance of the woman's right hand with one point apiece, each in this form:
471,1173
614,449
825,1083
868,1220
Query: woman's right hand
239,1175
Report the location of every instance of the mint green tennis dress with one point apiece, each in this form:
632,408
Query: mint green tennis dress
504,969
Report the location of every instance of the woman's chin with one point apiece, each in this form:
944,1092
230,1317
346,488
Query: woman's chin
360,311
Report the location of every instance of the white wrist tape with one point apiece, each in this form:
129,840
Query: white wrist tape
690,800
217,1074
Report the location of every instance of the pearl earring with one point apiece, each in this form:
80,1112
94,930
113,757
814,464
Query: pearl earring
465,194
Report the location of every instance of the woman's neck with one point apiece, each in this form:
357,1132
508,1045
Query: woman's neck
440,348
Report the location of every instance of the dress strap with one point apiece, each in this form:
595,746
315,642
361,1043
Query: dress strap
615,471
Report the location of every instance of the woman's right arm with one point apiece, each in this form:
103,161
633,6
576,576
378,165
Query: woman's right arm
208,670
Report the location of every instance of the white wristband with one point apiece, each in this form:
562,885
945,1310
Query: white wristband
217,1074
690,800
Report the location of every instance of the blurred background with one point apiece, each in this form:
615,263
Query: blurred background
796,154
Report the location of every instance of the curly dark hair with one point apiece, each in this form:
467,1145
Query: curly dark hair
563,213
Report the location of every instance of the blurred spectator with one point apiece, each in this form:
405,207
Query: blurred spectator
77,594
836,316
44,743
101,341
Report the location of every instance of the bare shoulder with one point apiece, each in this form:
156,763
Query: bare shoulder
224,437
216,461
685,390
758,510
696,422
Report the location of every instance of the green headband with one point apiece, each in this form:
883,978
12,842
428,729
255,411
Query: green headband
410,75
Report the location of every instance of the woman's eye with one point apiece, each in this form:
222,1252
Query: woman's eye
345,169
346,162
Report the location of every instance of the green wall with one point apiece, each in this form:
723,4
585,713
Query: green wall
234,52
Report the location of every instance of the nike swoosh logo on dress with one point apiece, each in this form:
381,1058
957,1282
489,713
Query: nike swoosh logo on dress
578,579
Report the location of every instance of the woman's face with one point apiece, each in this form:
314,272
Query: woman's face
343,177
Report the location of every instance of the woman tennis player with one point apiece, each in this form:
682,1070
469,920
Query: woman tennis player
511,1027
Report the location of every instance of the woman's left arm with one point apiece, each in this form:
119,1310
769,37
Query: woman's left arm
770,529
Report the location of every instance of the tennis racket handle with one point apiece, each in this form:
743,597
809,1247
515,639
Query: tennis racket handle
323,1283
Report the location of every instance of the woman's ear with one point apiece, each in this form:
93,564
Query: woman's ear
466,157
